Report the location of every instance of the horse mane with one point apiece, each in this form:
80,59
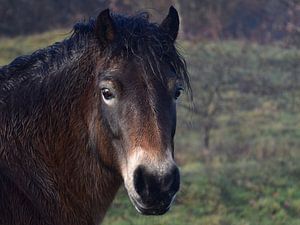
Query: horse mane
137,37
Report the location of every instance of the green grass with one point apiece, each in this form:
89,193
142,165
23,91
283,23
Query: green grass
246,192
251,125
10,48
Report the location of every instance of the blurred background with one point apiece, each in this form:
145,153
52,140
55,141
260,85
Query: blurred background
238,142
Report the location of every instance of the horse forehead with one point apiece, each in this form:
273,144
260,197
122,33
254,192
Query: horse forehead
150,78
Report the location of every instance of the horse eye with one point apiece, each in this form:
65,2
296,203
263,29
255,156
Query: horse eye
177,93
107,94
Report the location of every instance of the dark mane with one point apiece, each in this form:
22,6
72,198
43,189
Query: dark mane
137,37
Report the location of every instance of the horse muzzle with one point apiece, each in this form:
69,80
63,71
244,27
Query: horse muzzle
154,193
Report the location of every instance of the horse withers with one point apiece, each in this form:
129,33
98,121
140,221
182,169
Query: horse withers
79,118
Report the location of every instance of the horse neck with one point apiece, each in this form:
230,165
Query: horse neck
76,142
59,119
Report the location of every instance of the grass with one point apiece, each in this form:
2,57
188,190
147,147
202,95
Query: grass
246,192
250,124
258,180
10,48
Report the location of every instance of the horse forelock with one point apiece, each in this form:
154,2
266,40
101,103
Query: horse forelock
141,40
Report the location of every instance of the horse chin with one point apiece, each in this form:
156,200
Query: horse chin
149,210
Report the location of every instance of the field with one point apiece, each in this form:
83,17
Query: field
243,193
250,172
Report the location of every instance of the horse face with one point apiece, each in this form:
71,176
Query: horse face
140,115
138,110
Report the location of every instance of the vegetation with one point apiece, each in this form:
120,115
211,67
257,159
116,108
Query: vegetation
248,172
243,193
246,98
255,20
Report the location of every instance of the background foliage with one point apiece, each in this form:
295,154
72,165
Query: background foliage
238,141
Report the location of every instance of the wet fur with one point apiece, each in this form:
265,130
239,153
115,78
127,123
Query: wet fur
56,163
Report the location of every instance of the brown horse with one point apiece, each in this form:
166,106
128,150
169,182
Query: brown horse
79,118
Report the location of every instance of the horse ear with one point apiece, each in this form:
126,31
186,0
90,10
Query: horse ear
105,27
171,23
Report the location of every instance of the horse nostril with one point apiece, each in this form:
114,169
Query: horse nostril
171,181
152,187
139,180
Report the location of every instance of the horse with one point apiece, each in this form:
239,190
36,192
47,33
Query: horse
84,116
